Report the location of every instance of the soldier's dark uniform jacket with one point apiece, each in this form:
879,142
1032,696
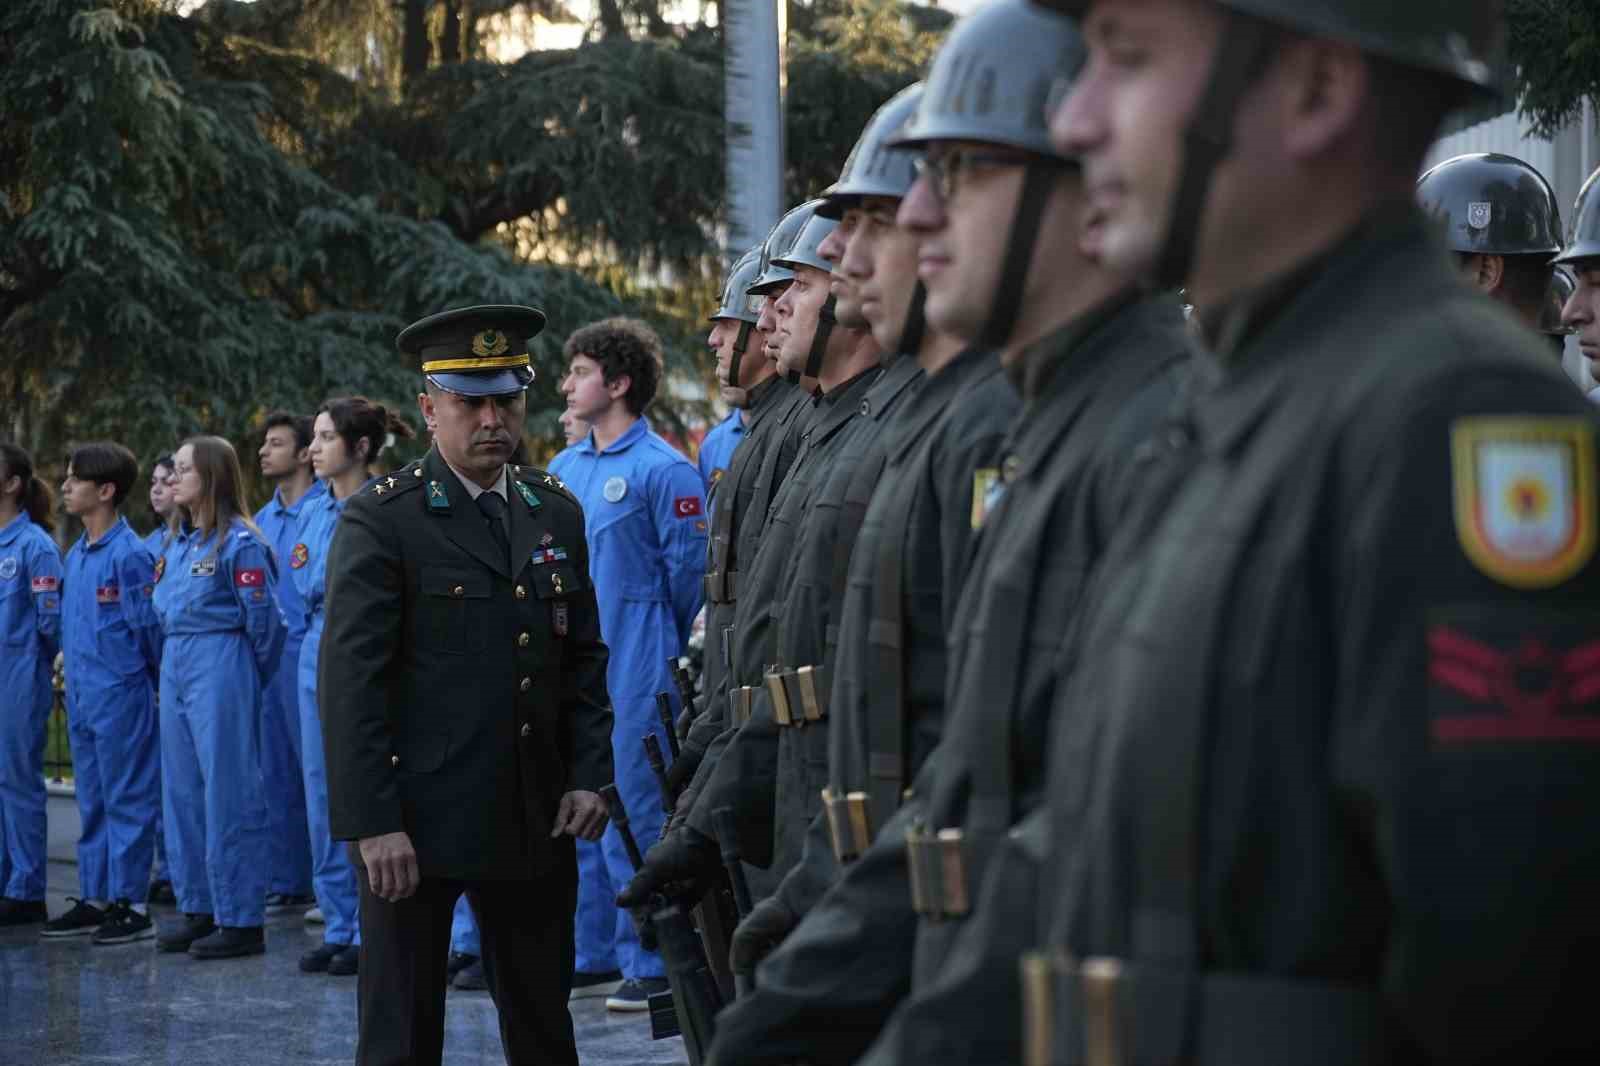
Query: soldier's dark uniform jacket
909,563
735,491
1092,392
1328,772
738,762
427,732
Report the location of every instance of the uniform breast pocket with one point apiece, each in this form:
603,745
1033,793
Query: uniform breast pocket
555,587
452,610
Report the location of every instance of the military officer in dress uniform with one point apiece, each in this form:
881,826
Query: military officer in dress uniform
464,707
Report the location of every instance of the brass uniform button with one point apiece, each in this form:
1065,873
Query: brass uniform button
527,730
1011,468
527,683
555,583
522,593
458,592
522,640
394,760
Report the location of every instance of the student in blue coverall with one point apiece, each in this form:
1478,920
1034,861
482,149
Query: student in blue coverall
466,950
112,645
286,461
644,513
155,543
30,631
224,636
347,436
717,447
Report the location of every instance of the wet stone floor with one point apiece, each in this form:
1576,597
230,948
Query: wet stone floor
67,1003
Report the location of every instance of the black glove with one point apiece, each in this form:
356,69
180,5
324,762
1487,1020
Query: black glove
682,868
762,930
682,769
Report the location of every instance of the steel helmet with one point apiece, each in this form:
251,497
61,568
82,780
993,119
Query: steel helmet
1583,242
1562,286
805,249
737,303
1492,204
992,77
874,167
777,242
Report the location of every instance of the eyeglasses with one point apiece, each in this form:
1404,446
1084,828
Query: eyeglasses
945,171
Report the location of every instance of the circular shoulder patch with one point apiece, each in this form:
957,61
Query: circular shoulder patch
615,489
8,568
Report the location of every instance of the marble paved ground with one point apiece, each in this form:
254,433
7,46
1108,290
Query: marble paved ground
65,1003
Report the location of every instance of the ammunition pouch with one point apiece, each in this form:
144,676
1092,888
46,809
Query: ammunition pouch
938,866
722,586
849,823
799,696
740,702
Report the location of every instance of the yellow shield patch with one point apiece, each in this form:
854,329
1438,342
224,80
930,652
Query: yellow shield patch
1525,497
985,492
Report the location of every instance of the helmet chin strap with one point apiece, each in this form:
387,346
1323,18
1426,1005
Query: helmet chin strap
916,323
1207,140
1039,179
820,338
740,343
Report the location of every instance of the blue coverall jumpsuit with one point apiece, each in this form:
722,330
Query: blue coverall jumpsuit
155,543
288,838
224,637
30,633
332,876
717,447
112,643
644,517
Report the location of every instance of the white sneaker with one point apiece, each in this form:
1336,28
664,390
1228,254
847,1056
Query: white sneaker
314,916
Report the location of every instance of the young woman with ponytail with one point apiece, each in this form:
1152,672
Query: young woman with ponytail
30,636
346,439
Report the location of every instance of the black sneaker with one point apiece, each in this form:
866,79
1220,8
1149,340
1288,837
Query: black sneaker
317,959
123,925
590,985
471,978
179,935
161,892
22,911
286,902
634,994
230,942
346,963
458,961
81,920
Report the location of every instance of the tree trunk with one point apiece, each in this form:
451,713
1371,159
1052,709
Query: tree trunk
450,39
611,19
414,44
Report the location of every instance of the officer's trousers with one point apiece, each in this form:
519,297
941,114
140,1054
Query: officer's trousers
216,817
117,771
24,715
332,876
288,839
526,929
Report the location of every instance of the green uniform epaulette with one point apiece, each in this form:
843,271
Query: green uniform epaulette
543,479
398,482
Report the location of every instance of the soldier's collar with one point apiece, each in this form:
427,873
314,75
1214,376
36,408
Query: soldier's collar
1036,365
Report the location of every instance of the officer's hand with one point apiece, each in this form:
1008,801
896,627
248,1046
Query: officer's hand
682,769
681,867
391,864
581,814
762,930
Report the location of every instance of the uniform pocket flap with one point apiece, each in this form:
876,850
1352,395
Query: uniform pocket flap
454,584
555,581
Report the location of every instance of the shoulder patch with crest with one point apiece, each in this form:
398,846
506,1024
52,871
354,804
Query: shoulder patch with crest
1525,497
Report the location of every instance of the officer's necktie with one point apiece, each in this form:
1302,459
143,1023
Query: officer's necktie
494,513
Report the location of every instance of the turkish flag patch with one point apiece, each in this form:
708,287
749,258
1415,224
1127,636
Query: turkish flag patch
46,583
687,506
107,594
1501,675
254,578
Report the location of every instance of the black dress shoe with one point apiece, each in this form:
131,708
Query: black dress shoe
177,936
22,911
345,962
230,943
317,959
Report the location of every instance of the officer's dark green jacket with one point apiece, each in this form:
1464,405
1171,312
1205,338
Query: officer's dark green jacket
1330,760
461,693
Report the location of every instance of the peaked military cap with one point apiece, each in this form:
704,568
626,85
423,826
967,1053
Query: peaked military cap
475,351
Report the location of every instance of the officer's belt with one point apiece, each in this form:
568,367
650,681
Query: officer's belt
741,701
1108,1012
799,696
943,869
722,586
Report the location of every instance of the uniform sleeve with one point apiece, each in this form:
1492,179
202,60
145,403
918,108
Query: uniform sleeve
136,577
743,776
588,703
679,513
360,642
1467,717
254,576
44,575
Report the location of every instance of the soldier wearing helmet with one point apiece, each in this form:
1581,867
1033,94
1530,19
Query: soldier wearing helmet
1090,364
1500,218
1581,255
1317,751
